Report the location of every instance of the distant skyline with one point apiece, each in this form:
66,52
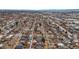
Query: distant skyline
39,4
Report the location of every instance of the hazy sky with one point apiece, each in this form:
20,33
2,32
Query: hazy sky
39,4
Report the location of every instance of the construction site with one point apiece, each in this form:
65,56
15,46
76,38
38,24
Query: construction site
39,30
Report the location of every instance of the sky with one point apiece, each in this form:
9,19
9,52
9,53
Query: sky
39,4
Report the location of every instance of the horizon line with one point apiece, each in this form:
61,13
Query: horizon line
38,9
